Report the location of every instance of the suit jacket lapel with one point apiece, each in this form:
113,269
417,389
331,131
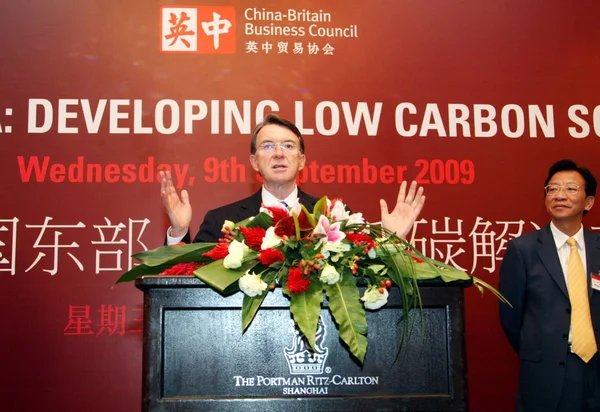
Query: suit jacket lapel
549,257
306,200
592,255
252,204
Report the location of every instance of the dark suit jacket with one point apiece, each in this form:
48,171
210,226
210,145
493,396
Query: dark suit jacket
537,326
210,229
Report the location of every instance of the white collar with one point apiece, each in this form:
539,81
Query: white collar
560,238
269,200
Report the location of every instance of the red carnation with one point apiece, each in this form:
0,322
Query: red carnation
285,227
297,282
269,256
181,269
278,213
218,252
254,236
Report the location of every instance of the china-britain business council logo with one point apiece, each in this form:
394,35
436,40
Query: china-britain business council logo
197,29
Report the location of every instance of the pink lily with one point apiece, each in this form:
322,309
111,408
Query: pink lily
331,232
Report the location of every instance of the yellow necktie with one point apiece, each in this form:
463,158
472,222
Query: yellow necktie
583,341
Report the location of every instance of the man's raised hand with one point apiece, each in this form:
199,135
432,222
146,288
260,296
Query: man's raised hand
178,209
408,207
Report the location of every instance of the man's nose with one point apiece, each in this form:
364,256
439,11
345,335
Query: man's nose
561,195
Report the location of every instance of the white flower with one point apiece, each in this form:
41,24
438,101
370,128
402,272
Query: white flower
229,224
329,275
237,251
374,299
270,240
355,218
338,211
251,284
334,251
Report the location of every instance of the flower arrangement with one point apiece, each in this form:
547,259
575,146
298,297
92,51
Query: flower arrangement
327,250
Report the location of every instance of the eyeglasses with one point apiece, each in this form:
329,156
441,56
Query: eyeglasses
271,146
569,188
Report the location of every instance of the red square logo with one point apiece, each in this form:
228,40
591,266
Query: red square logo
197,29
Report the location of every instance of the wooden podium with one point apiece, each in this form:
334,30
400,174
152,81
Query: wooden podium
197,359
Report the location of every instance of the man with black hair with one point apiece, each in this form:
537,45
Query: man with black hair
551,277
277,153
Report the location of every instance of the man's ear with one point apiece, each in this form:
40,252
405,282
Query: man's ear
589,202
253,162
302,161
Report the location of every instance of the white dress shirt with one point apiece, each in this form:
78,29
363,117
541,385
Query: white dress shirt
564,250
269,200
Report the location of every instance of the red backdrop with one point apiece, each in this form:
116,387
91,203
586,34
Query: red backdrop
474,99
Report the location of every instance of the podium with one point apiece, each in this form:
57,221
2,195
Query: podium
196,358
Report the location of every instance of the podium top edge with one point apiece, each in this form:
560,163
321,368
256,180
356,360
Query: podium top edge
155,281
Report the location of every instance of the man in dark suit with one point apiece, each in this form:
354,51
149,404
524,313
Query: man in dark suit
277,153
210,229
554,330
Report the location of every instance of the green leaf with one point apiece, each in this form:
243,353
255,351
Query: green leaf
251,305
220,278
377,268
309,216
349,314
296,224
157,260
141,270
175,254
401,270
429,269
306,308
320,207
480,285
261,220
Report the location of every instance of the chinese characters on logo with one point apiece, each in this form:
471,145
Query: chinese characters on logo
202,29
253,47
180,32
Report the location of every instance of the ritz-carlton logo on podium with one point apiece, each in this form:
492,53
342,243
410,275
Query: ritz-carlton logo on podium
300,359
